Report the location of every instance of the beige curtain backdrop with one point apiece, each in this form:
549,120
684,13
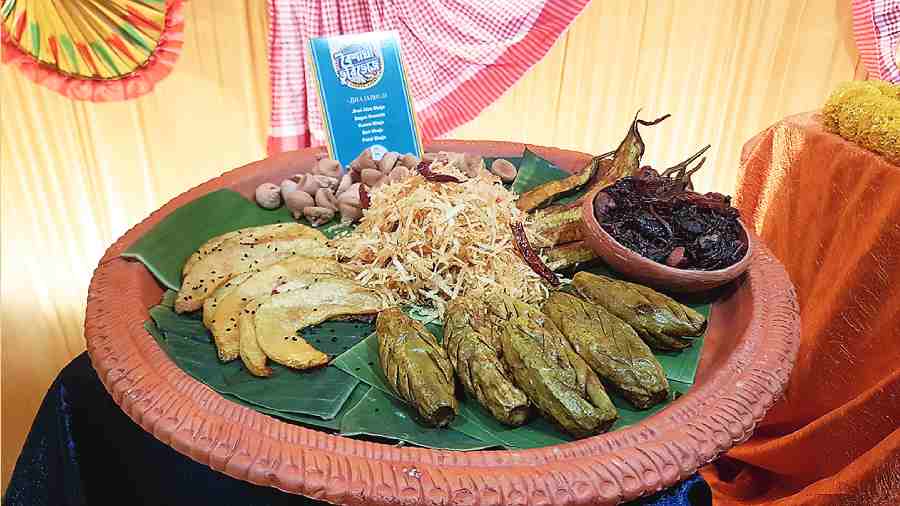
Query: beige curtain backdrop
75,176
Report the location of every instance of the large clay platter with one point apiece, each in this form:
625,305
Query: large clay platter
749,351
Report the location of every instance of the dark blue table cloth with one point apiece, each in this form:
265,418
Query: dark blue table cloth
83,450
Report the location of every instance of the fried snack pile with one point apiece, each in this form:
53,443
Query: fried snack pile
423,243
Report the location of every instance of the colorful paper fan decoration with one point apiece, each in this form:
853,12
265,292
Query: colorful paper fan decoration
97,50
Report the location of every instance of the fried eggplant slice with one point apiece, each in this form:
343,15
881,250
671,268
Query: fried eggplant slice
223,325
473,347
238,255
602,171
539,369
557,224
569,255
313,299
546,192
662,322
416,367
611,347
251,354
627,158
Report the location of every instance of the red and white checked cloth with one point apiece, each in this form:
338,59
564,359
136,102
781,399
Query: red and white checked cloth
876,25
460,55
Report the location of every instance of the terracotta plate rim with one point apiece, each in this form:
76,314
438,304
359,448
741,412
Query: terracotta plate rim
606,469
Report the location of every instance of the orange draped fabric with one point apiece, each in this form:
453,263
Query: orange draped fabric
830,211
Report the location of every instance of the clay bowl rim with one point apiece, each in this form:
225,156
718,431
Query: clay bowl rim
679,280
749,373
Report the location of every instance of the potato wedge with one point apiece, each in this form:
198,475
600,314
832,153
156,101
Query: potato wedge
279,318
234,257
205,250
226,333
251,354
249,234
212,303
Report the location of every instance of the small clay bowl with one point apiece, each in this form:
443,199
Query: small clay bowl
648,272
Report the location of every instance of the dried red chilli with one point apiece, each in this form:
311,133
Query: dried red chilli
364,201
528,254
424,168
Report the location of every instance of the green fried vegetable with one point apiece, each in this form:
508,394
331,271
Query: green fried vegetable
473,346
572,397
611,347
659,320
556,188
416,367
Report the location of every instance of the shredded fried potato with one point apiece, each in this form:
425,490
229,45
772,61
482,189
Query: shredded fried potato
422,243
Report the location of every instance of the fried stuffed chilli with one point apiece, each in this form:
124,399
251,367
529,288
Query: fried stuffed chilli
557,381
659,320
563,390
471,339
611,347
416,367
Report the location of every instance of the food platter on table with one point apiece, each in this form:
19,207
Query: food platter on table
535,369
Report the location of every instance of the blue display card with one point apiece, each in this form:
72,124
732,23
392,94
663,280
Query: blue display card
364,95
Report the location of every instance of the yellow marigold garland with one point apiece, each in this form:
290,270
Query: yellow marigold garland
867,113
